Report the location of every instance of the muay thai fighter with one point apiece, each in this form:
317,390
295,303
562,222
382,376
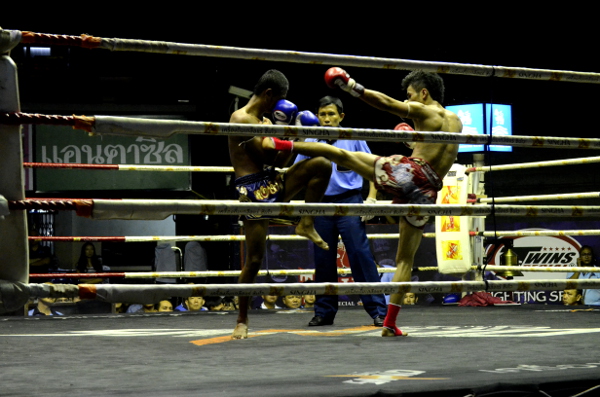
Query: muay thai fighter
415,179
257,181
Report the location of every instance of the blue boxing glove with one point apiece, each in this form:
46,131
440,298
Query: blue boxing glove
307,118
284,112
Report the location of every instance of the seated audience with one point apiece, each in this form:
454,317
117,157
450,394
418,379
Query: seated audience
192,304
214,303
44,307
292,301
410,298
309,301
230,303
269,302
164,306
142,308
89,262
572,297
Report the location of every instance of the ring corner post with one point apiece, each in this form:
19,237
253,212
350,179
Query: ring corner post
14,252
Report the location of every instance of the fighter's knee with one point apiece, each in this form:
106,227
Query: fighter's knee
322,164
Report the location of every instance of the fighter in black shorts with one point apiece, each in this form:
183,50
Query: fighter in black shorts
250,160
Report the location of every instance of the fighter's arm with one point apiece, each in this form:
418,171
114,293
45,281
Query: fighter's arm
282,159
404,109
338,77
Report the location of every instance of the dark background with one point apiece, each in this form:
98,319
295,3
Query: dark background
96,82
100,82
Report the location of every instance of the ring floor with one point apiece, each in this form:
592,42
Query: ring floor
451,351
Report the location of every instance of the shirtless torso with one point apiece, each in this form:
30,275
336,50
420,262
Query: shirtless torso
249,159
246,154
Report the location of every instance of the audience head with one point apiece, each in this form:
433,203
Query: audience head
214,303
230,303
572,297
269,301
586,256
194,303
410,298
164,306
292,301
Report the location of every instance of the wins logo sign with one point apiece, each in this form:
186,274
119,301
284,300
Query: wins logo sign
543,251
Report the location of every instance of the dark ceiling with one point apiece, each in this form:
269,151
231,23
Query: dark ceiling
77,81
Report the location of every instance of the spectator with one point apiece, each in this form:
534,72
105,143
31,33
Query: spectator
269,302
572,297
214,304
230,303
410,298
142,308
41,259
292,301
192,304
309,301
44,307
587,259
89,262
164,306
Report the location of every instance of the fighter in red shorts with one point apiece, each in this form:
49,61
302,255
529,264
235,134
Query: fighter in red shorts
414,179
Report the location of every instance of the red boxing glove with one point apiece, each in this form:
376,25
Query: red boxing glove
339,77
405,127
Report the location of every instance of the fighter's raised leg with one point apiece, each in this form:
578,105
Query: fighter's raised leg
313,175
359,162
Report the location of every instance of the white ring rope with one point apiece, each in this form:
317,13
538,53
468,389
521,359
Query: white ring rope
548,269
292,237
161,209
139,293
111,125
544,197
527,233
306,272
161,47
539,164
131,167
10,38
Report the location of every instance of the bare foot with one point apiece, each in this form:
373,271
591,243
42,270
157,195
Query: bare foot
389,332
311,234
240,331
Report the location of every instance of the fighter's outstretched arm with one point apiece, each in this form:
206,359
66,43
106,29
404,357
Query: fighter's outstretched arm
338,77
405,109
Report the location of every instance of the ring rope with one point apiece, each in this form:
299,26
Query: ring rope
297,272
140,209
128,167
539,164
136,293
515,199
127,126
162,47
160,209
286,237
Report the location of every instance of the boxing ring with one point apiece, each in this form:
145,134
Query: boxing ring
544,348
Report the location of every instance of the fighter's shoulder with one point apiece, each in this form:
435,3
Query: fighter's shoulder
453,119
450,114
240,116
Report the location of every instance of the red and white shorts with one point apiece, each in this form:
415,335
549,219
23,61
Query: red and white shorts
410,180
